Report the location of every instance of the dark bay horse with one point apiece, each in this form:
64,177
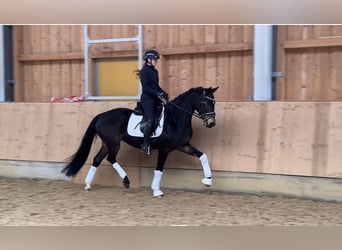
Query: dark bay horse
111,127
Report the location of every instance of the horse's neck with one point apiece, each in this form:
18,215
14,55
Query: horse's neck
184,112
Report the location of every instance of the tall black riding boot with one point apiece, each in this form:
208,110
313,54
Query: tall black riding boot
146,146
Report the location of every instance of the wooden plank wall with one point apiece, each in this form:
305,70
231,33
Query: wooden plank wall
44,66
294,138
310,57
192,56
49,58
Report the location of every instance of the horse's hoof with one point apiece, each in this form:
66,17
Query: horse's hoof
87,189
207,181
158,194
126,182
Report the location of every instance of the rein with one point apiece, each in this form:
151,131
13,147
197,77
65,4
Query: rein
185,111
196,114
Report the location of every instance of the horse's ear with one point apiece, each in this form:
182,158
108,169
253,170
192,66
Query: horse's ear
214,89
210,90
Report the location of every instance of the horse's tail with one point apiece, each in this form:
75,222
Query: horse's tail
78,159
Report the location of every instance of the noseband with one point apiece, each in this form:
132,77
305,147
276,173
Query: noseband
204,116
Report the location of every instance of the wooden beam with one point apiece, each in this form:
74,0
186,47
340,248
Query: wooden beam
51,56
212,48
114,54
209,48
19,92
75,55
314,43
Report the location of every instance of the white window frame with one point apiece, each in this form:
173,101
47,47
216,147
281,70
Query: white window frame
87,42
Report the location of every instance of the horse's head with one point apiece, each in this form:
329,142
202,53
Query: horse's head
205,106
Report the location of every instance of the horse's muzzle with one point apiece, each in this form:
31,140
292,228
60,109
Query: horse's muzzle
209,122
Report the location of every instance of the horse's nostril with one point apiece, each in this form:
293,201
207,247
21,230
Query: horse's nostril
210,124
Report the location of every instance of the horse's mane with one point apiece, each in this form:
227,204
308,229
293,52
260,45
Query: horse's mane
186,94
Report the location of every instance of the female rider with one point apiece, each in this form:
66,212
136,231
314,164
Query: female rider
152,94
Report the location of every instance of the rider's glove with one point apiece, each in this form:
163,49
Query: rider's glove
163,95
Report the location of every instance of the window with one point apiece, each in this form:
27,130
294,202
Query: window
115,77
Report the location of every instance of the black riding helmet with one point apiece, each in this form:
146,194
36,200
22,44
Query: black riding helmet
153,54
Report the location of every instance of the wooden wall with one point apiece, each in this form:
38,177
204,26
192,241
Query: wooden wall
300,138
48,62
49,58
294,138
205,55
310,57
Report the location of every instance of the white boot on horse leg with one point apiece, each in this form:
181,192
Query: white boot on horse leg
122,173
206,169
156,184
89,178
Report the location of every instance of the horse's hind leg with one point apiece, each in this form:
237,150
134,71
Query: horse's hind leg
96,162
112,159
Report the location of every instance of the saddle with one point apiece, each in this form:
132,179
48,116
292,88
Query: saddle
137,122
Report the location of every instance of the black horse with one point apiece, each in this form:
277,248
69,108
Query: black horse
111,127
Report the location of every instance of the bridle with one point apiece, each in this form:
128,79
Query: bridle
204,116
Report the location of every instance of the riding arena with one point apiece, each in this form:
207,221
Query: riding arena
235,149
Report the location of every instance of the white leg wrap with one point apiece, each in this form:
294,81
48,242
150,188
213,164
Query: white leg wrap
206,169
157,193
90,176
119,169
205,165
156,183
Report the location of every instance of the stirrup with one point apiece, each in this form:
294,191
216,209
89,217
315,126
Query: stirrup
146,148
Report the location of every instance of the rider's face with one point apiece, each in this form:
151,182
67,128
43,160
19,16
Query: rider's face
153,61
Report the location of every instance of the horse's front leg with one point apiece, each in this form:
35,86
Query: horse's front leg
191,150
158,172
206,170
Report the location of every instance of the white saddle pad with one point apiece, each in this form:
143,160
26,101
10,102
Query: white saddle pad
133,128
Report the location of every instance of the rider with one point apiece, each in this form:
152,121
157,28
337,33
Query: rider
152,94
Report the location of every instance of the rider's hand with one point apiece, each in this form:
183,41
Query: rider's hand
164,96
